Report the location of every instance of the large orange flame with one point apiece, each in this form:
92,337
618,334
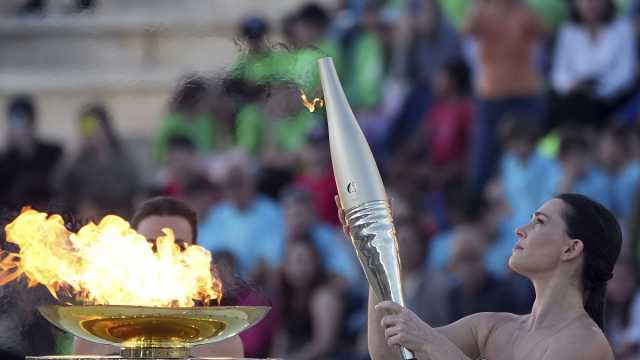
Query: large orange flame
107,263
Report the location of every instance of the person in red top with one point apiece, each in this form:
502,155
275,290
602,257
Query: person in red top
445,128
507,34
317,177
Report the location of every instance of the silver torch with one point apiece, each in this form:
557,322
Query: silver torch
361,193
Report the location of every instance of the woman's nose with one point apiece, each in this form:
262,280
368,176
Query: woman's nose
520,232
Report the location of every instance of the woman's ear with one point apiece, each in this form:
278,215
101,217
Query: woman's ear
574,249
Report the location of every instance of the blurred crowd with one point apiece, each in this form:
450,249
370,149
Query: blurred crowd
477,112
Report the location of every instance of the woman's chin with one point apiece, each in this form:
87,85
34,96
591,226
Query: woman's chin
514,262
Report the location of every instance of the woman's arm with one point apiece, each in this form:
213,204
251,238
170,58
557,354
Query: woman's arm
378,348
401,327
326,318
462,334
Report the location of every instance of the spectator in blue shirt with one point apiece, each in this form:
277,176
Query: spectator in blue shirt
524,171
248,225
616,156
577,172
336,251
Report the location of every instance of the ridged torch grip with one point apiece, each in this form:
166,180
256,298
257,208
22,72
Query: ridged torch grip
374,237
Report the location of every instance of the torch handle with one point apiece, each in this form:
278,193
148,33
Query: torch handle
374,238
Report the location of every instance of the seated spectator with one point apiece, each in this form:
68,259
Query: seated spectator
433,42
476,290
524,171
27,163
181,166
316,176
187,117
594,63
201,194
309,307
275,130
276,125
426,42
248,225
149,221
255,59
615,153
446,126
463,212
577,172
102,170
623,311
335,249
366,68
258,339
425,289
309,29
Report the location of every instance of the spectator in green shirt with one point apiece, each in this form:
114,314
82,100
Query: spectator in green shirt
276,126
309,29
257,63
366,68
187,117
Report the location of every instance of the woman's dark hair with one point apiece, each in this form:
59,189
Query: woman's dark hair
166,206
100,113
600,233
608,15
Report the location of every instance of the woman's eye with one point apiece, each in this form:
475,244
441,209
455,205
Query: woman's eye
538,221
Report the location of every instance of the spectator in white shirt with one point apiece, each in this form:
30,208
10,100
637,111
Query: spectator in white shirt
594,62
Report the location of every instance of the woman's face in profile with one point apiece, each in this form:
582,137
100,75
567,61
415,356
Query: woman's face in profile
540,242
151,228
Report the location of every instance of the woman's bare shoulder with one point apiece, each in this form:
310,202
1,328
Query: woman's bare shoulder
585,341
489,321
487,324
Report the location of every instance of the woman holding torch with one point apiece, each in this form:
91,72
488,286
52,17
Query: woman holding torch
568,250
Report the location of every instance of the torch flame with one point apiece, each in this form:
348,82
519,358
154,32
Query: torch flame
107,263
311,105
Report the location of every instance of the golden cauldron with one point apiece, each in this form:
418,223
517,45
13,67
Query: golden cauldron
152,332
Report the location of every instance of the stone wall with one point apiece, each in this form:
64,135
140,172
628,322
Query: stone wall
127,53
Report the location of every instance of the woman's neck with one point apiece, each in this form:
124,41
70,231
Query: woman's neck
558,299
